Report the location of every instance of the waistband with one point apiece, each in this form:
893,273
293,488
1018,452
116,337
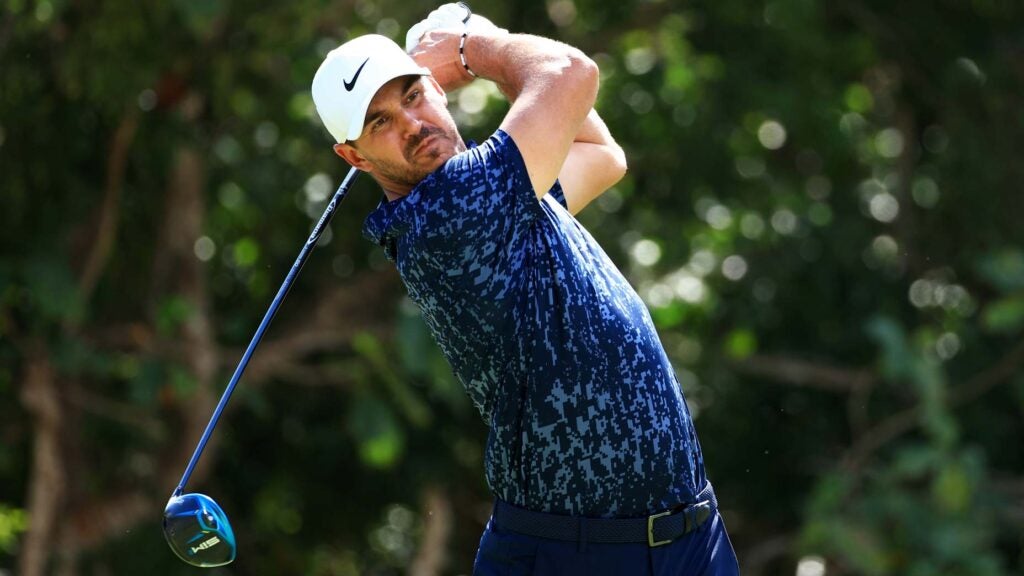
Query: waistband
655,530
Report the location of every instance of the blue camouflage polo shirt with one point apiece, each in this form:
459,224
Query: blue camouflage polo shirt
552,344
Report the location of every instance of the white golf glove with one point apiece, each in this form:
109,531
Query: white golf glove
451,15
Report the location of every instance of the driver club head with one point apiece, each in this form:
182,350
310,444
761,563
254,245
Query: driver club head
198,531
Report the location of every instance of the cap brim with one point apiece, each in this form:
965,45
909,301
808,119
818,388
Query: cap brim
356,124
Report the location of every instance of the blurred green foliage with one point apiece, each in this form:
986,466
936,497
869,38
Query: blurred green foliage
12,524
820,213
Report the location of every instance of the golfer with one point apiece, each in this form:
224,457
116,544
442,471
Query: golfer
592,455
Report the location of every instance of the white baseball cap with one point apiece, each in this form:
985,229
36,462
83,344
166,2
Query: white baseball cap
349,77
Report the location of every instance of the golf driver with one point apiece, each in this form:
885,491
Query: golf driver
196,527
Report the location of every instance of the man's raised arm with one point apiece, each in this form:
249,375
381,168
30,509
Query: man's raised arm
594,164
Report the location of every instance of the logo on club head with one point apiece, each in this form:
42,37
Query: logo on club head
207,544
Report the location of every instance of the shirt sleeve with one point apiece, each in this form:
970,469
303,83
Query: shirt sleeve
558,194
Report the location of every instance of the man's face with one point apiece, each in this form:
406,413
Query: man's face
408,133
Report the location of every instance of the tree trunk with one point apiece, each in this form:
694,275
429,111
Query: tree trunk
47,481
432,555
108,515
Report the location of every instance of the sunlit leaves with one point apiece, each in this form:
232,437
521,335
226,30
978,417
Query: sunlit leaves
245,252
411,405
172,312
278,510
740,343
952,488
377,433
13,522
858,99
421,358
1005,315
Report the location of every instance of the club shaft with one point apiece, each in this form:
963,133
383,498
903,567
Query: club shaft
314,237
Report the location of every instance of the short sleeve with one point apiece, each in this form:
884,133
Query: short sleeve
558,194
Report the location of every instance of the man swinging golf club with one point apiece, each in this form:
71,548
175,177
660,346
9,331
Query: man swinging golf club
592,454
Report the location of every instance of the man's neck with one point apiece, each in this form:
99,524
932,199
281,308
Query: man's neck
395,195
394,190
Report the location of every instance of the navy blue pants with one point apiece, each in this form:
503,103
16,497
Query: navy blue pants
704,552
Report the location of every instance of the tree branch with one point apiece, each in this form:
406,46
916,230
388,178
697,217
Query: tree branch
986,381
326,327
432,556
48,479
884,35
122,412
908,419
760,555
807,374
106,515
106,227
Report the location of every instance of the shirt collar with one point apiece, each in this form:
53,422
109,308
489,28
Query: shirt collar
382,228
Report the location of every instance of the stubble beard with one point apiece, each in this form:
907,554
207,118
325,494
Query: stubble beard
416,169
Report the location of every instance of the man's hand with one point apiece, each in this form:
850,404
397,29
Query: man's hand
455,16
430,42
551,87
438,50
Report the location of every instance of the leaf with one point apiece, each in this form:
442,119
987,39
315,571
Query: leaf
376,431
740,343
897,359
829,493
13,521
858,98
1004,269
147,382
183,381
669,316
414,343
952,489
1017,389
415,410
1004,316
200,15
915,461
172,313
856,544
53,291
72,356
246,252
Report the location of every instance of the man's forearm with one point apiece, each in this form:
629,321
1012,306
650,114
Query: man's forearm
491,64
512,61
595,161
594,131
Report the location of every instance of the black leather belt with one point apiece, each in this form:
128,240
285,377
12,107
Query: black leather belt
655,530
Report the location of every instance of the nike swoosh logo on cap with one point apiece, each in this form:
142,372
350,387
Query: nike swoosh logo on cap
350,85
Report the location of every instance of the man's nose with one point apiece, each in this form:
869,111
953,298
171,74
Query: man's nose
411,124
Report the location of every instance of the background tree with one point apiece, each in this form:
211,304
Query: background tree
820,213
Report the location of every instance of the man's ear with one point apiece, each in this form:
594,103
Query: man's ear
351,155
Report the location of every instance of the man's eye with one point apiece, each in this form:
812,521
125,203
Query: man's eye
378,123
413,95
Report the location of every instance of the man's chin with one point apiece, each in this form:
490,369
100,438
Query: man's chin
433,159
